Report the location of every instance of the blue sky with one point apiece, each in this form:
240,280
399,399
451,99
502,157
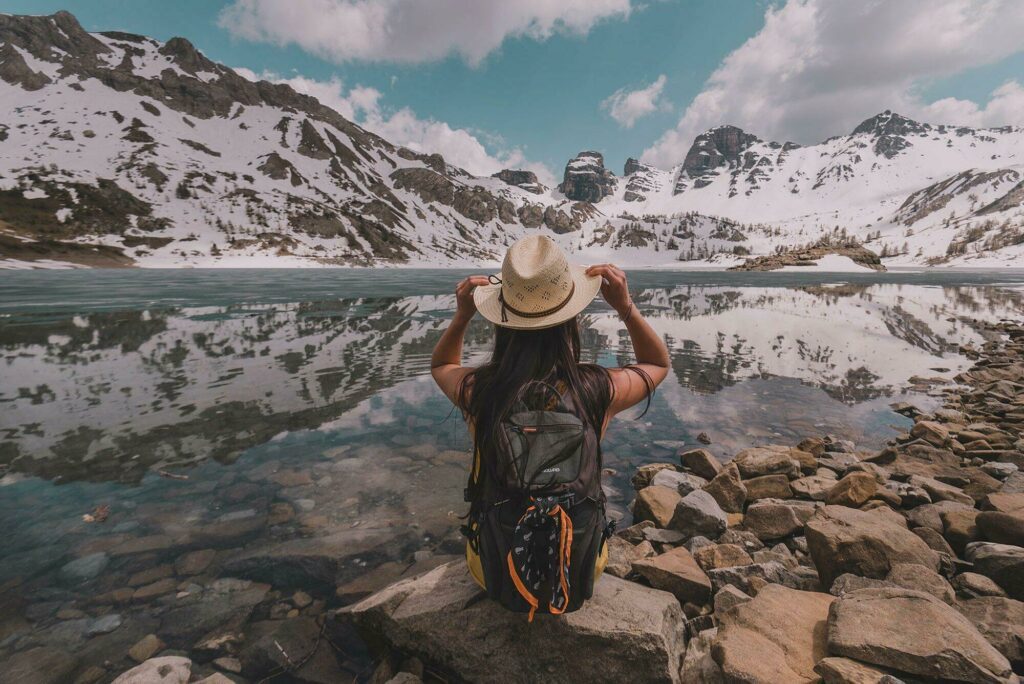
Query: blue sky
526,85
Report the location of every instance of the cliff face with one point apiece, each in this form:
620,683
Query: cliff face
586,179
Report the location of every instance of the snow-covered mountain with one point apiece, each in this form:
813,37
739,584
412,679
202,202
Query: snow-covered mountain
117,149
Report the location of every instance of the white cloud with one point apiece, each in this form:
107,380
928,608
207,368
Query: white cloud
457,145
411,31
819,67
626,106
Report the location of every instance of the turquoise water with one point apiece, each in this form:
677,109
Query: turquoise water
280,411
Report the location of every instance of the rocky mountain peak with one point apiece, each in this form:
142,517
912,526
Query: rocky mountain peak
632,166
185,55
890,131
586,179
527,180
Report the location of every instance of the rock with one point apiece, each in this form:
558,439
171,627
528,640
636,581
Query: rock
842,539
150,575
854,490
728,489
224,604
656,535
678,573
40,665
85,568
1004,502
846,671
770,521
1002,563
1001,621
813,487
940,491
90,675
912,632
622,554
684,483
935,541
910,496
920,578
165,670
758,461
847,583
527,180
216,678
930,515
751,577
625,632
103,625
1000,471
273,645
232,665
959,528
698,513
768,487
729,596
644,475
698,665
158,588
934,433
778,636
973,585
721,556
702,462
1001,528
634,534
146,648
194,562
657,504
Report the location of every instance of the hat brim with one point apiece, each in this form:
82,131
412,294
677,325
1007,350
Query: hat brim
489,306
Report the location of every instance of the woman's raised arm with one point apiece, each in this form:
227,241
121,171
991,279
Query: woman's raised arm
650,350
446,361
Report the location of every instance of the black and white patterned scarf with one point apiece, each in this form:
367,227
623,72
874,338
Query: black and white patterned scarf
541,546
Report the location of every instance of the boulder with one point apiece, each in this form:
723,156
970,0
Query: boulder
625,632
622,554
842,539
275,645
813,487
959,528
768,487
845,671
165,670
40,665
721,556
973,585
934,433
930,515
1001,528
645,474
698,513
1001,621
657,504
940,491
85,568
778,636
1005,502
920,578
758,461
913,632
147,647
728,597
935,541
728,489
854,490
751,577
1002,563
698,665
684,483
771,521
677,572
702,462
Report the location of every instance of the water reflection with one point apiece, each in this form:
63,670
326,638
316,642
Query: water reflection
112,395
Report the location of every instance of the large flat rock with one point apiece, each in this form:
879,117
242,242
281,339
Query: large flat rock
626,632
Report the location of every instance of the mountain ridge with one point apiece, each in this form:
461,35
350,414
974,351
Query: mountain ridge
122,150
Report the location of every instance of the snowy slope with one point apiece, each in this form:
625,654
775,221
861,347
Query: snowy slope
116,149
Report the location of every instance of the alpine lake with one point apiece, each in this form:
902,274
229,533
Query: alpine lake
182,451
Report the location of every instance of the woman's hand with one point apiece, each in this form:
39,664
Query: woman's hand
464,304
614,287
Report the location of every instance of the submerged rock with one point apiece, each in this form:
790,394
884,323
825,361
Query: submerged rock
165,670
626,632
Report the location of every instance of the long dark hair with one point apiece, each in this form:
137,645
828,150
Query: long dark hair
551,355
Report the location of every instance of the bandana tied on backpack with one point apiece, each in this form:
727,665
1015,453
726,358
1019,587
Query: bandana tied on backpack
541,545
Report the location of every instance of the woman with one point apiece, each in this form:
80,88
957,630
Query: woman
536,526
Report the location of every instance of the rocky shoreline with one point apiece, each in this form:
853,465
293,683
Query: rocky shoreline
816,561
809,257
805,563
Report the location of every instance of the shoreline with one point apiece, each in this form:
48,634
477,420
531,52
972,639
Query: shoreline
789,563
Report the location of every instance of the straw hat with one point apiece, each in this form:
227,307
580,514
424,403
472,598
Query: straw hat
537,288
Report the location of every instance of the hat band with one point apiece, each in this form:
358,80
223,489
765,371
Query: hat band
527,314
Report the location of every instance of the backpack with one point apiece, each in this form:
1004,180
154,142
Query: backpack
537,518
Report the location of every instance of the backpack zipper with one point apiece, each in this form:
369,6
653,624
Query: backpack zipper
530,429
